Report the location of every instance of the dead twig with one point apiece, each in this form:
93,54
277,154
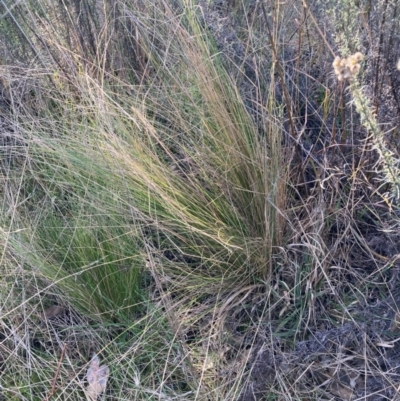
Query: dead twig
53,384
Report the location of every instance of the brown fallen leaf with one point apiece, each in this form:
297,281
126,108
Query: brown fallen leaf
52,311
340,390
334,385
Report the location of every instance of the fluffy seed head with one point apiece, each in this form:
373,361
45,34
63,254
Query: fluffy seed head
347,68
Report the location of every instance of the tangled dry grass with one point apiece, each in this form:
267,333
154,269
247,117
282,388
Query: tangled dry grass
204,194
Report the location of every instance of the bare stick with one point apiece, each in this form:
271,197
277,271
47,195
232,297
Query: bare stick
53,384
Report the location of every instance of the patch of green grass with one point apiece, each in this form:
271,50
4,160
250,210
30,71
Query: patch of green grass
98,260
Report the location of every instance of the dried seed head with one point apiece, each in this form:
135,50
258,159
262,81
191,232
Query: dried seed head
354,69
352,61
336,62
346,74
346,68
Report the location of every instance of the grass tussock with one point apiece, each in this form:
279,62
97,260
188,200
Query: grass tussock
190,193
